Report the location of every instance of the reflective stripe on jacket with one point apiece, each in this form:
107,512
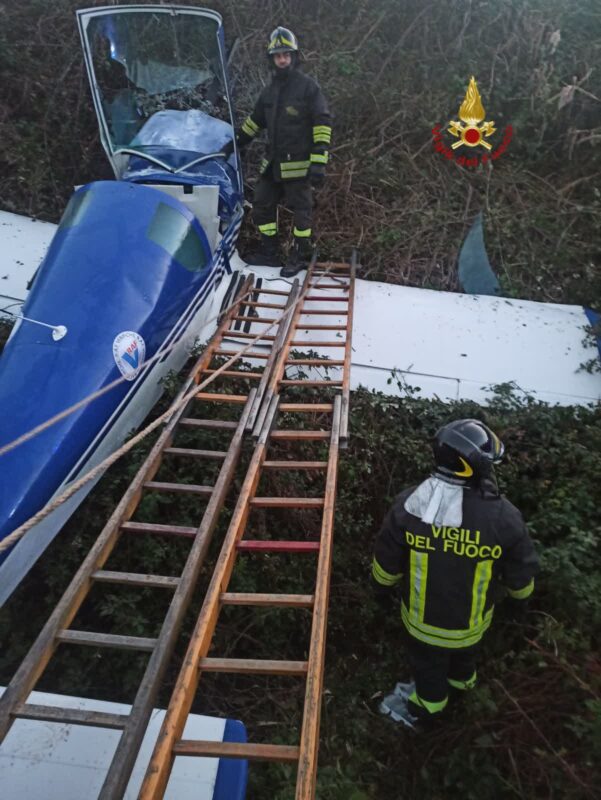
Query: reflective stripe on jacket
449,576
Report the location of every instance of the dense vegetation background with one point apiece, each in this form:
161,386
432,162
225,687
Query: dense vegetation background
391,69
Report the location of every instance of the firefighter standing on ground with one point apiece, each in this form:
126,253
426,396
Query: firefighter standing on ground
295,113
450,543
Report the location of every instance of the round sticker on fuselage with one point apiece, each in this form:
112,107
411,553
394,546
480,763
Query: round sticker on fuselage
129,351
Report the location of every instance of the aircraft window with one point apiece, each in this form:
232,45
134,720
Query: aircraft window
171,231
75,210
145,63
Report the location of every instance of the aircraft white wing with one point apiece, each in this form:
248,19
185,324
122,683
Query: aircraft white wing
23,245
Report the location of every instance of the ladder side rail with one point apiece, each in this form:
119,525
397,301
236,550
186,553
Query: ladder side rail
124,758
41,651
44,646
284,351
279,339
309,739
161,762
346,375
215,340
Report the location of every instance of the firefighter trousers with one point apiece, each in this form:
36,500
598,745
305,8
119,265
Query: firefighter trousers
295,194
435,671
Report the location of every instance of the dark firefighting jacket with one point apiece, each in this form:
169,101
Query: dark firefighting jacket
297,119
450,577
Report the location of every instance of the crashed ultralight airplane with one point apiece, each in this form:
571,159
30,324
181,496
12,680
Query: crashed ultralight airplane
139,268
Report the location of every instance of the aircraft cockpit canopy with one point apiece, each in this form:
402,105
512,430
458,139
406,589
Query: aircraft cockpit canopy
159,85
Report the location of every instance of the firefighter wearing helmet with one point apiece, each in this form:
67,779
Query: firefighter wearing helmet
450,544
295,114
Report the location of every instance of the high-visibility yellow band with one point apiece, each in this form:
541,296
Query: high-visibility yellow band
418,579
442,637
463,686
294,169
382,577
522,594
304,234
432,708
319,158
285,166
482,576
269,229
249,127
322,135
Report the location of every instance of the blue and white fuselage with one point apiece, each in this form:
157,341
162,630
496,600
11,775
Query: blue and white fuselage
136,268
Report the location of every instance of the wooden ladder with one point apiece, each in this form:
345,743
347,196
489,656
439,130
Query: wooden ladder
326,413
186,421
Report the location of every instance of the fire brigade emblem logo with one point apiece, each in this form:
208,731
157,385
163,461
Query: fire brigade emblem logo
472,113
472,130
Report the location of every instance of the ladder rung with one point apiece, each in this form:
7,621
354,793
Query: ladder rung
329,286
301,435
191,453
235,373
216,397
268,600
287,502
328,299
256,304
301,382
247,354
253,752
269,291
295,464
306,407
340,312
179,488
300,326
264,320
217,424
314,362
244,335
71,716
136,579
279,546
318,344
252,666
92,639
165,530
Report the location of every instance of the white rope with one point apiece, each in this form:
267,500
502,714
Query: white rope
19,532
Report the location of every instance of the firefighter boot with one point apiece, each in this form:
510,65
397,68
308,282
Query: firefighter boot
298,257
267,254
404,690
397,708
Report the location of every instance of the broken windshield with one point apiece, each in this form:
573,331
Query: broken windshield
159,84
